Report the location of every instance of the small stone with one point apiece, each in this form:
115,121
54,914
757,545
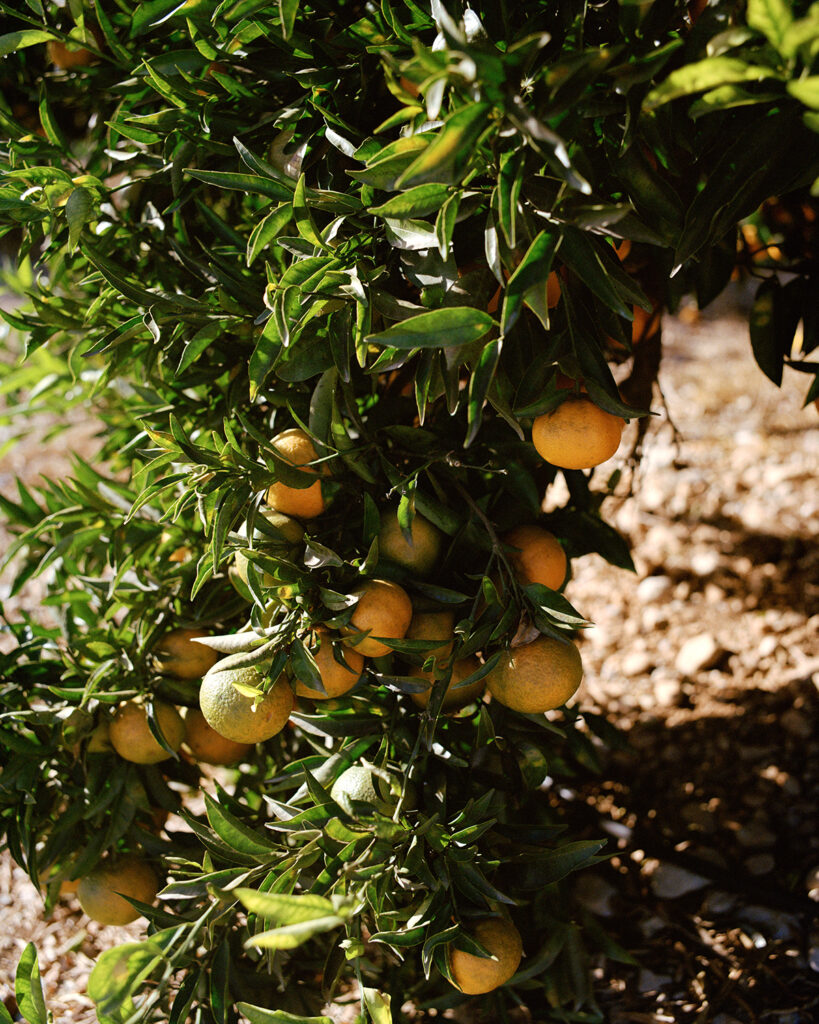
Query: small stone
651,925
767,645
669,882
812,883
654,588
703,563
756,835
648,981
813,958
595,893
797,724
760,864
699,653
718,902
637,663
775,924
668,692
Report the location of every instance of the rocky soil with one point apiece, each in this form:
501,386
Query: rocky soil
707,659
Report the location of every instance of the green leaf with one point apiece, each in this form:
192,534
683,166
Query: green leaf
118,973
284,908
78,209
553,865
5,1016
267,230
12,41
235,833
770,17
377,1006
479,384
288,9
446,157
532,272
768,353
415,202
439,328
252,183
292,935
806,90
705,74
301,214
261,1015
28,988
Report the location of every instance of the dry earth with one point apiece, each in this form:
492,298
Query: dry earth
707,659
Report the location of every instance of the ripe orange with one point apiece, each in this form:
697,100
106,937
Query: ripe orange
207,745
303,502
420,553
237,716
536,677
101,892
433,626
65,58
336,678
577,434
383,610
131,737
538,557
178,655
476,975
452,698
552,289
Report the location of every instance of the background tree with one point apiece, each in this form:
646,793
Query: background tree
394,244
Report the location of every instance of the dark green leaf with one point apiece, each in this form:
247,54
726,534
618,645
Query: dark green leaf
439,328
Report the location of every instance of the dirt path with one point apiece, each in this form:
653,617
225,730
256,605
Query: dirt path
707,659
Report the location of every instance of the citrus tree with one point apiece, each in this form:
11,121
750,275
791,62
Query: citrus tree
345,286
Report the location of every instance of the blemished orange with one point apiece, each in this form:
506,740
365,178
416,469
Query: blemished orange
536,677
178,655
131,736
433,626
238,716
536,556
383,610
477,975
302,502
461,669
419,553
102,890
67,59
207,745
336,678
577,434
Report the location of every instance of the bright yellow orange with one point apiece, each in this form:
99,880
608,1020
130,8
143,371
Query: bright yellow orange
383,610
207,745
335,678
537,557
476,975
419,553
131,736
536,677
101,892
452,698
179,656
577,434
302,502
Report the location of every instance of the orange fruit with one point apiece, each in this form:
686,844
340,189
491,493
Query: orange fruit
302,502
178,655
383,610
577,434
536,677
102,890
239,716
207,745
131,736
552,289
419,553
476,975
335,677
537,558
433,626
452,698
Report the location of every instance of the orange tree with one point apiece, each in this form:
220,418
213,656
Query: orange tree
323,271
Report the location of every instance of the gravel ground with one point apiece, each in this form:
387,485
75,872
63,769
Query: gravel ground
707,658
